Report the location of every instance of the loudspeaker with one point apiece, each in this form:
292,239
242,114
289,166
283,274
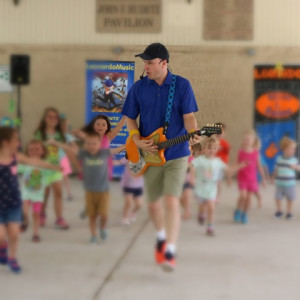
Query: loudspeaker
19,69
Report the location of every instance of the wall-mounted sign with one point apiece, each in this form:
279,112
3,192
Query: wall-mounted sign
107,85
5,86
128,16
276,104
228,20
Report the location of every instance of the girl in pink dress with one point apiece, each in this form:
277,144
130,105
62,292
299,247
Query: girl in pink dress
247,176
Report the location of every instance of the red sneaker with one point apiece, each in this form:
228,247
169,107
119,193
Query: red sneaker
160,251
61,224
169,262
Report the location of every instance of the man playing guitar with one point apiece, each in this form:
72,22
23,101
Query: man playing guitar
149,99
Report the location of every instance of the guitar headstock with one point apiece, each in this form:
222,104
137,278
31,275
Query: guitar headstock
211,129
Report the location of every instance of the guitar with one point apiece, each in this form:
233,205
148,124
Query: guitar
140,160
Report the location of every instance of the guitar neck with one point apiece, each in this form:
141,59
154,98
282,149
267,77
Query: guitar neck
178,140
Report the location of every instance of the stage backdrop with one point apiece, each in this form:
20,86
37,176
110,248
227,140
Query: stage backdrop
276,96
107,85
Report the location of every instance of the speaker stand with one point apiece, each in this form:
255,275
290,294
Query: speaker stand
19,112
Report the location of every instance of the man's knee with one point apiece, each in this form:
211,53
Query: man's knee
154,206
171,202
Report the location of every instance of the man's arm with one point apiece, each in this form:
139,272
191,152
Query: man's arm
190,122
146,145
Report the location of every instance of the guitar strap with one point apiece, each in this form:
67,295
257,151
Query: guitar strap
169,104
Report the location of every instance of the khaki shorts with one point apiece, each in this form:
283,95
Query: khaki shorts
167,179
97,203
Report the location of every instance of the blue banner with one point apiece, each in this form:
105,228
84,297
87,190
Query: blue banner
277,107
107,85
270,135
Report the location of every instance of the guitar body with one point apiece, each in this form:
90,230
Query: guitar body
139,160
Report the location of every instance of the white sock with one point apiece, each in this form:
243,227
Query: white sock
170,248
161,235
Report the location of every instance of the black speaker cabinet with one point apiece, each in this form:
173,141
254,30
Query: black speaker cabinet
19,69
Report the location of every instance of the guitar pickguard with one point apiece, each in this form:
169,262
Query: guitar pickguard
138,166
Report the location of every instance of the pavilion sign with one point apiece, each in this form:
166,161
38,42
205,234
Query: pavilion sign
128,16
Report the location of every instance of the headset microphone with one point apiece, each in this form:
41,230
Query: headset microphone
142,76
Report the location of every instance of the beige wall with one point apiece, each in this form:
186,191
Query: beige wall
221,78
276,22
60,36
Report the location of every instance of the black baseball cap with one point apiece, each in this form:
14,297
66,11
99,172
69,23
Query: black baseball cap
155,50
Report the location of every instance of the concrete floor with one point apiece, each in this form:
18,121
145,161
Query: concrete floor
257,261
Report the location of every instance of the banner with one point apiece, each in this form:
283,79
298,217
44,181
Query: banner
107,85
276,96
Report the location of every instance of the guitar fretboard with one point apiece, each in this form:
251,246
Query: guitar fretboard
179,139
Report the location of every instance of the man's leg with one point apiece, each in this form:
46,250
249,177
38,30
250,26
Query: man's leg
172,219
153,183
174,175
156,213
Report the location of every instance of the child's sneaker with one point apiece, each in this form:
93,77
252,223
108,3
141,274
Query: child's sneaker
160,251
201,219
237,216
169,262
93,240
61,224
244,218
133,218
42,220
278,214
210,231
289,217
3,255
103,234
14,266
36,238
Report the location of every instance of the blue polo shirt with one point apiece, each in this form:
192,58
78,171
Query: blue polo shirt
149,100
